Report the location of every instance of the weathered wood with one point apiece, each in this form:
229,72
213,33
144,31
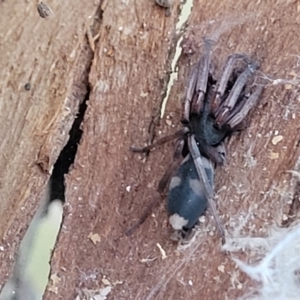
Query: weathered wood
51,56
109,187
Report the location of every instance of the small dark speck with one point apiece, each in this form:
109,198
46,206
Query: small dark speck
44,10
27,86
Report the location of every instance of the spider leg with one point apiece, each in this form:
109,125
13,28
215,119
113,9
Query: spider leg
197,83
161,186
208,189
228,105
178,134
222,83
215,154
201,87
241,111
189,94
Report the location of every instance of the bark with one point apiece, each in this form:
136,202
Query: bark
52,57
109,187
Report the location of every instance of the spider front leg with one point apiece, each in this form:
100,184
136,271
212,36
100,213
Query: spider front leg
241,111
208,188
197,85
178,134
222,83
227,108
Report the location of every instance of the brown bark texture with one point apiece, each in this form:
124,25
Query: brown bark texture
108,187
51,58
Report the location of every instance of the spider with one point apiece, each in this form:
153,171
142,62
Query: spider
212,111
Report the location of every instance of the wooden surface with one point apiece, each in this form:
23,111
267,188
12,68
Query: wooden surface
109,187
52,55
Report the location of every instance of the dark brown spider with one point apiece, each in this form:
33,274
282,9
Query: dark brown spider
212,111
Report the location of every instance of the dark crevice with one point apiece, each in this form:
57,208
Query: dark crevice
67,155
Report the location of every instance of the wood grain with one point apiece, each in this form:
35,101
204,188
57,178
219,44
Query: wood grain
109,187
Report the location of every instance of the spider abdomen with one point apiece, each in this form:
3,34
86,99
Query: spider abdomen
186,198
